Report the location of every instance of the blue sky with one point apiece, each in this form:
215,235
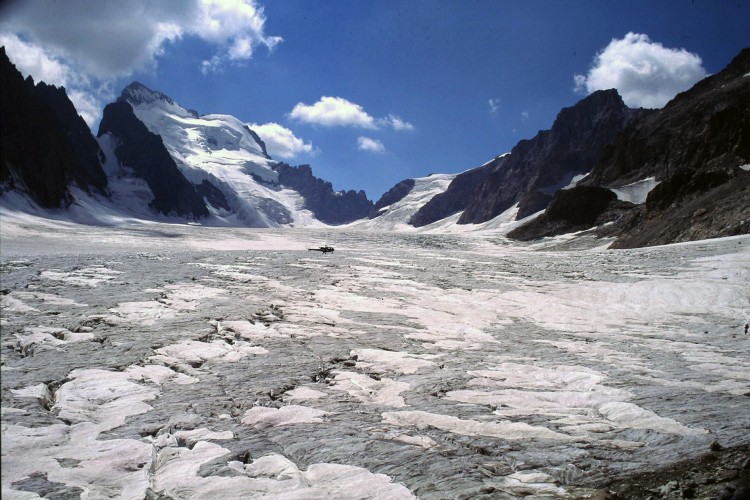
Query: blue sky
371,93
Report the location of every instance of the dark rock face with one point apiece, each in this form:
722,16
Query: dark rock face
459,194
45,144
686,207
394,195
694,146
88,171
538,167
259,141
144,152
707,124
212,195
571,210
328,206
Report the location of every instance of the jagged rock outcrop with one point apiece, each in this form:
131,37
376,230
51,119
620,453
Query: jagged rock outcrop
45,144
537,168
695,146
705,125
459,194
88,169
393,195
328,206
213,195
144,153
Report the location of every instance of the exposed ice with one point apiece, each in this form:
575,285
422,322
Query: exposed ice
405,364
286,415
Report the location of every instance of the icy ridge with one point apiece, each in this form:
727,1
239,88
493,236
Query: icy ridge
223,151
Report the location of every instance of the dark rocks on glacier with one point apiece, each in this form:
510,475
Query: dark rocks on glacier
146,154
46,145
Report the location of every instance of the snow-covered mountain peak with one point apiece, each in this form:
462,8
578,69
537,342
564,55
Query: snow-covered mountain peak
138,95
223,151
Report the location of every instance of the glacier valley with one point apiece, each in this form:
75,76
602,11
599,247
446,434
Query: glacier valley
175,361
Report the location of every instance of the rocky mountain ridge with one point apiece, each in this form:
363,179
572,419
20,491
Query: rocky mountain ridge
697,148
45,144
154,158
642,176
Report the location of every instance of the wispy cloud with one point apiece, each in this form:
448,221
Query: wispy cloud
645,73
396,123
494,105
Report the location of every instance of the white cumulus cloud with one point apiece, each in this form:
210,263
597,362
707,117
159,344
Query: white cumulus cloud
339,112
369,144
281,142
86,46
645,73
111,39
332,112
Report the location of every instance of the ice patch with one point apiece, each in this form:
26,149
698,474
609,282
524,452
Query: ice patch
532,483
272,476
49,336
195,353
303,394
286,415
636,192
89,276
384,392
92,401
34,391
12,304
635,417
467,427
47,298
173,301
381,361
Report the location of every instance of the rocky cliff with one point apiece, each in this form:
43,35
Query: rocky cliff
144,153
329,206
697,148
46,145
537,168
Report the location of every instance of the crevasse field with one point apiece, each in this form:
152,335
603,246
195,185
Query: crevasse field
192,362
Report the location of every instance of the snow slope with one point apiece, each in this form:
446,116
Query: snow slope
396,217
222,150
